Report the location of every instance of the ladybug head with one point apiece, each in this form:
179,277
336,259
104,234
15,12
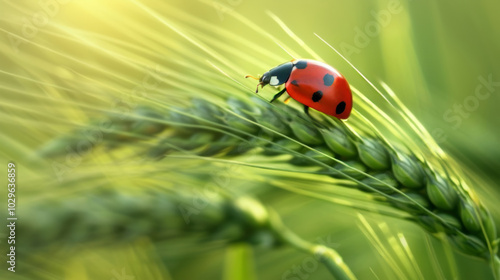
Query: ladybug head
263,80
268,78
276,76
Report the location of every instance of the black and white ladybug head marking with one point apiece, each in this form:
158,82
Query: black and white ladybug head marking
278,75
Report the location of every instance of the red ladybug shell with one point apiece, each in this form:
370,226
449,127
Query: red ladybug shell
321,87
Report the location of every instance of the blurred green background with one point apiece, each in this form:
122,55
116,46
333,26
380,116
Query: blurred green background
434,55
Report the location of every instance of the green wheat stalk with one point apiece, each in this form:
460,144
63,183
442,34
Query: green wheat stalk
394,176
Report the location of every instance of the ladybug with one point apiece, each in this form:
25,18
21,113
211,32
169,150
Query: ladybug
312,83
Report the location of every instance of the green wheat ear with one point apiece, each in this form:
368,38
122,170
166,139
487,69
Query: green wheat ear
394,176
161,215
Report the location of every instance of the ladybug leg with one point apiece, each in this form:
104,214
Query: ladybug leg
277,95
306,110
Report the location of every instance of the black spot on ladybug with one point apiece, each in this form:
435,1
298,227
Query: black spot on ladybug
317,96
328,80
301,64
340,108
295,83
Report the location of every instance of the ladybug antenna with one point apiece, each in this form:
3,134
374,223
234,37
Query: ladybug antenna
250,76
